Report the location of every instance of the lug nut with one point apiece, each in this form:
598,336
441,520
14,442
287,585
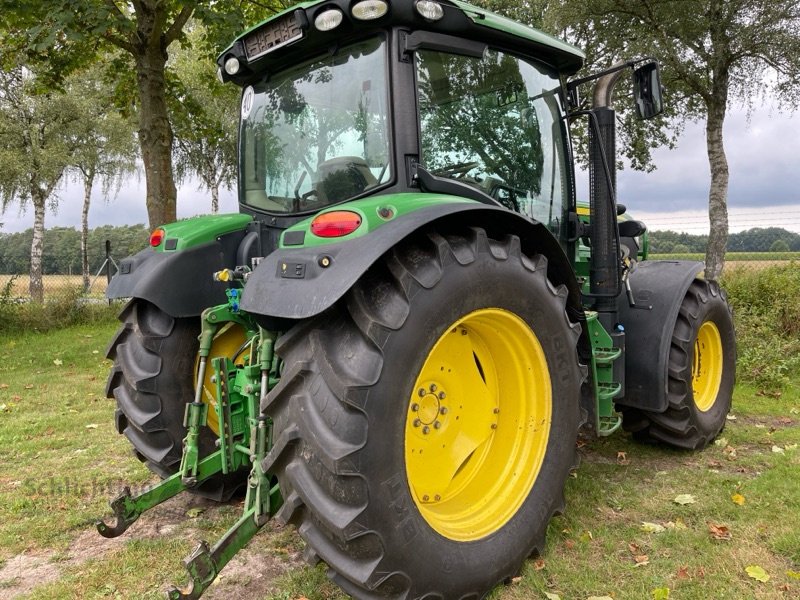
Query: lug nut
463,332
442,395
496,411
437,497
415,407
421,392
425,498
426,430
494,425
437,425
433,387
443,410
417,422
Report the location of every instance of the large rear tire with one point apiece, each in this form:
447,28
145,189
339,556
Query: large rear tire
152,379
425,426
701,374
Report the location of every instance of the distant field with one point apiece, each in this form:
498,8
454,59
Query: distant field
752,257
54,285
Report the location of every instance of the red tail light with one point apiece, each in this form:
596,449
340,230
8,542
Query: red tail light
335,224
157,237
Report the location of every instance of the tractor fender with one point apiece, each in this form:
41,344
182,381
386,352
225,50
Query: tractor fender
179,283
659,287
298,283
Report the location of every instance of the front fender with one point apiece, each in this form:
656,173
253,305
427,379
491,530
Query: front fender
294,283
659,287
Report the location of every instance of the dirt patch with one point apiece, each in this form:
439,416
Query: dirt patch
250,574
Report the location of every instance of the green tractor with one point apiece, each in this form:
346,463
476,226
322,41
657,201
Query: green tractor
395,342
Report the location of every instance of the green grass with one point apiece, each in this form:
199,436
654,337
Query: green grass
57,471
754,257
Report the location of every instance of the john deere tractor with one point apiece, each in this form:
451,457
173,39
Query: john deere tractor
394,343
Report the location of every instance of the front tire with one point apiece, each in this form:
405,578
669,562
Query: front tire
401,498
701,374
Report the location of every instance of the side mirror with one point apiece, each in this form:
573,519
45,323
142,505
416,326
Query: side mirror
647,91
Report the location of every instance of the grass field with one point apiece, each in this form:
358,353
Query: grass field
755,258
61,460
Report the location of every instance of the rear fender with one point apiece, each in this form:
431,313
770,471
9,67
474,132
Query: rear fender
659,287
298,283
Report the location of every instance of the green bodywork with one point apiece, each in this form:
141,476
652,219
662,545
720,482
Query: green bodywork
375,212
200,230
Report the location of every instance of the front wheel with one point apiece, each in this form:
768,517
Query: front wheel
425,427
701,373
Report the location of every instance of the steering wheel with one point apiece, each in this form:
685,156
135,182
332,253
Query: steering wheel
456,170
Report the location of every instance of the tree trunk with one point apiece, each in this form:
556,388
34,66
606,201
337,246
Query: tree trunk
36,286
155,136
88,180
214,198
718,193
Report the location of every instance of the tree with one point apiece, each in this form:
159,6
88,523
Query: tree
69,37
712,52
105,152
37,142
205,120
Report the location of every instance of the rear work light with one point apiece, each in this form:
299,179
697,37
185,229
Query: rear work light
157,237
335,224
367,10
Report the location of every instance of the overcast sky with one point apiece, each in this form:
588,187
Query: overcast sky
763,153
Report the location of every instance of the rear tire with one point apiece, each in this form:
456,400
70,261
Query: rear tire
701,374
349,420
152,380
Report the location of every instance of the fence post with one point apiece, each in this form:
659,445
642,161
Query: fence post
108,266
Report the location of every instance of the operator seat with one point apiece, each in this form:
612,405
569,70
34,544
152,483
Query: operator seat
343,177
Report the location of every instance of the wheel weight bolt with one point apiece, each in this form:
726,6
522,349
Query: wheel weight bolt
417,422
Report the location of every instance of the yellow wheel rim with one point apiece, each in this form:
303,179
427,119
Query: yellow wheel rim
227,342
477,425
707,366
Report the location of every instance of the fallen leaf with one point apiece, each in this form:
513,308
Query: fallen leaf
719,532
634,548
586,536
795,411
652,527
730,452
3,408
714,464
92,426
757,573
550,596
721,442
3,386
193,513
622,458
730,417
569,544
641,560
677,524
785,421
738,499
516,580
701,572
683,573
599,598
660,594
538,564
793,574
778,450
29,386
790,447
684,499
58,362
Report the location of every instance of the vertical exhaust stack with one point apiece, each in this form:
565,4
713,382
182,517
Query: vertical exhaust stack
604,275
